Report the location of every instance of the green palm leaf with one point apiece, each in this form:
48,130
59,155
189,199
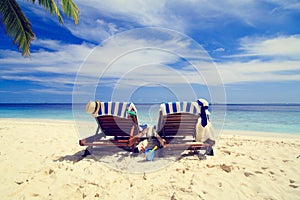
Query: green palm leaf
17,25
70,9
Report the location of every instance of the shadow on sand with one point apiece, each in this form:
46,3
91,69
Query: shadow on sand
101,154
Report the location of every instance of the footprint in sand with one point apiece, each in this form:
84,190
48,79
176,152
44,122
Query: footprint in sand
231,145
247,174
293,186
49,172
174,196
258,172
192,180
226,168
226,152
271,172
251,158
19,182
210,166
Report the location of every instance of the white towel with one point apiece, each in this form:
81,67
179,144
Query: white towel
204,133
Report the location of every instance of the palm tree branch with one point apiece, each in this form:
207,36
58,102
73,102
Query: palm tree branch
70,9
51,7
17,25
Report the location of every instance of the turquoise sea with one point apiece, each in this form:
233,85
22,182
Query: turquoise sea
281,118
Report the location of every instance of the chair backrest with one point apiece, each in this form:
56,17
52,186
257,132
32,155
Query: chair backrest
114,118
179,107
178,119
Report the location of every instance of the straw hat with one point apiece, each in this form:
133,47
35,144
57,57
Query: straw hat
92,107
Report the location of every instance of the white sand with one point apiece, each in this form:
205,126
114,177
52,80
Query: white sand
42,160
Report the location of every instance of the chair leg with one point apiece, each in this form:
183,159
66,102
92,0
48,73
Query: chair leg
210,151
88,151
132,148
201,156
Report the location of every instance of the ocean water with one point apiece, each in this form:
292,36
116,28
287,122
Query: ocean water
281,118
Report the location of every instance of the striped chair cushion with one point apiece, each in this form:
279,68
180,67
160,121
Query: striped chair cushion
116,108
180,107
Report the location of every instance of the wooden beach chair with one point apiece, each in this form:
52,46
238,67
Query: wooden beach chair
176,128
117,126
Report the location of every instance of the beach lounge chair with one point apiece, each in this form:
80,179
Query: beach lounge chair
117,125
177,125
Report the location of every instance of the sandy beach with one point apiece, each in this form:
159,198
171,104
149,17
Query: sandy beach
42,160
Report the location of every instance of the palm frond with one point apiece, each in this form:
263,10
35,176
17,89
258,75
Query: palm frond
51,7
70,9
17,25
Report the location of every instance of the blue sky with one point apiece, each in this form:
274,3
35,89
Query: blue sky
254,46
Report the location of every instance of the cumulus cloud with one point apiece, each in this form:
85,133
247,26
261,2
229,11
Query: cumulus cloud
259,71
219,50
141,57
282,46
263,59
108,17
128,60
56,68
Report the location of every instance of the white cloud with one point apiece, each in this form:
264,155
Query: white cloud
259,71
56,91
286,5
144,63
282,46
263,59
148,56
56,68
219,50
101,19
105,18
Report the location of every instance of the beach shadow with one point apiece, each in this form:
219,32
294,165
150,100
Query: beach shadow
118,155
121,160
78,156
97,154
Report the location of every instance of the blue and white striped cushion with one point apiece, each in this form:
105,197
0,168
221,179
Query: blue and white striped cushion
180,107
116,108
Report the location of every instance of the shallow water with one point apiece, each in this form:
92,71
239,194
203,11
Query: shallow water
281,118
